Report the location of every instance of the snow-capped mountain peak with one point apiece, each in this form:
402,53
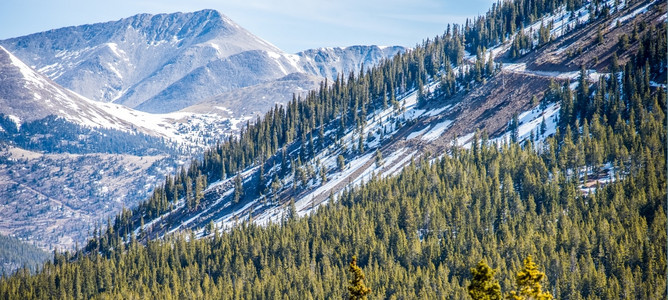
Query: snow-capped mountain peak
165,62
132,60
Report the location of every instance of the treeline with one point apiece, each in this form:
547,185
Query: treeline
596,224
57,135
344,105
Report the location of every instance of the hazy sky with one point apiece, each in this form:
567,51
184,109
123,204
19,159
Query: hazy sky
292,25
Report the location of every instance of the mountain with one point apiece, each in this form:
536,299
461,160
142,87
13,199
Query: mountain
331,62
66,160
166,62
15,254
255,100
53,136
131,60
485,146
26,95
343,135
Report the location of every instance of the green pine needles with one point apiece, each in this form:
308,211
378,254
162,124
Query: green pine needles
358,289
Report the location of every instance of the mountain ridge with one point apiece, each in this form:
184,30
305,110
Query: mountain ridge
146,60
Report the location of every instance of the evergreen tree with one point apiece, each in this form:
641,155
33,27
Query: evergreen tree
357,288
483,285
238,188
528,283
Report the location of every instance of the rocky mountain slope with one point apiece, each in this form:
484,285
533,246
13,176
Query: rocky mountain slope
330,62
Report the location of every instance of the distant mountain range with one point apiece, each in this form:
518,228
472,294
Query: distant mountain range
167,62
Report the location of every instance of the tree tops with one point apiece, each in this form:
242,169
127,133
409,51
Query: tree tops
483,286
528,283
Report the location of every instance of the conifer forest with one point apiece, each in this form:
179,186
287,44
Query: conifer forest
524,219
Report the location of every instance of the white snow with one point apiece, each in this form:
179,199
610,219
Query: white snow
225,109
464,141
398,166
114,48
437,130
438,111
113,69
590,187
350,169
227,220
417,133
530,122
26,71
16,121
634,13
215,46
592,75
655,84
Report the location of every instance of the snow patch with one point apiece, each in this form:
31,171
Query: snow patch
16,121
417,133
530,121
398,166
437,130
464,141
436,112
634,13
113,69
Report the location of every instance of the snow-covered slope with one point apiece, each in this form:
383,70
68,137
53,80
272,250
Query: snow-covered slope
165,62
330,62
26,95
134,59
259,98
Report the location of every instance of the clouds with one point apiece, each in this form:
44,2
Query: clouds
292,25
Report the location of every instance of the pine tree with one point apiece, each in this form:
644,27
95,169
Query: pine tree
292,211
190,199
200,186
515,129
238,189
483,285
358,289
528,283
379,158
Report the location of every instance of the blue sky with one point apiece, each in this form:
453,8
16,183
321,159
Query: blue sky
292,25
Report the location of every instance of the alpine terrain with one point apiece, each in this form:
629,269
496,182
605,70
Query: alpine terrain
74,151
520,155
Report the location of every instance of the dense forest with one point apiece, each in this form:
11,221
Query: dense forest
588,204
57,135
